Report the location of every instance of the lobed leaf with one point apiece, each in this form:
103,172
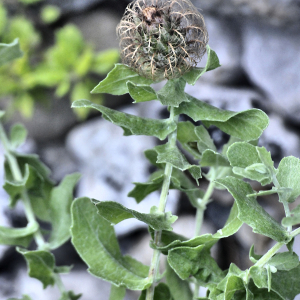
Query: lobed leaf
60,210
40,265
172,155
212,63
251,212
247,125
10,52
115,82
115,213
132,124
94,239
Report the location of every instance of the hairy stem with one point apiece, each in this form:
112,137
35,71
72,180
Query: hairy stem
199,220
263,260
154,267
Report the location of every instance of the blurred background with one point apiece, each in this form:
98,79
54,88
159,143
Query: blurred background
69,47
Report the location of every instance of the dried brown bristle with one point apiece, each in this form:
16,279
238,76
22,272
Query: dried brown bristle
162,39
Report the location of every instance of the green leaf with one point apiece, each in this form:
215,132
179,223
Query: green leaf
10,52
289,176
18,236
253,256
105,61
251,212
171,154
50,13
141,93
117,292
63,269
247,125
18,134
172,94
142,190
40,265
180,289
290,221
252,165
284,261
195,261
69,296
232,225
60,210
115,213
31,182
130,123
211,64
205,141
211,158
161,292
94,239
25,297
115,82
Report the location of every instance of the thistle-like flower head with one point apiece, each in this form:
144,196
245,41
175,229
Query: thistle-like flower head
162,39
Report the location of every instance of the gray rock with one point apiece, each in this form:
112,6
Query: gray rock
279,12
68,6
272,62
224,39
110,162
99,28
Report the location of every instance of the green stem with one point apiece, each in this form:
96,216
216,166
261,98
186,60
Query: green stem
59,284
154,267
261,262
199,221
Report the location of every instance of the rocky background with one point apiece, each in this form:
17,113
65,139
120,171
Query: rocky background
258,44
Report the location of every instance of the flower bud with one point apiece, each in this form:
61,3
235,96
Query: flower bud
162,39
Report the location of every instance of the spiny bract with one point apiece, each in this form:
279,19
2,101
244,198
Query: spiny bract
162,39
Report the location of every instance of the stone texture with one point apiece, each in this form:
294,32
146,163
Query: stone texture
279,12
110,162
224,39
272,62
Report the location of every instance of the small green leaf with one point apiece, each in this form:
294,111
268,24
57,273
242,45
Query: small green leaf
211,64
172,155
251,165
115,82
247,125
204,140
50,13
18,236
10,52
130,123
172,94
94,239
115,213
180,289
142,190
18,134
117,292
60,210
253,256
141,93
69,296
289,176
251,212
31,182
290,221
40,265
63,269
211,158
